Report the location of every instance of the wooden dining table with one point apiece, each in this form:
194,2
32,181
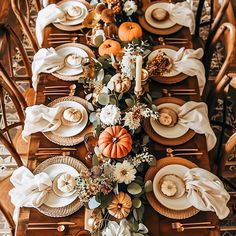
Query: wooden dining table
157,224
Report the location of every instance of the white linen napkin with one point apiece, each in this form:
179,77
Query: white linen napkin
206,192
182,14
194,115
29,190
46,60
46,16
40,118
188,62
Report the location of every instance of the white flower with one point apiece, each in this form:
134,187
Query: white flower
110,115
123,229
131,120
128,66
124,172
130,7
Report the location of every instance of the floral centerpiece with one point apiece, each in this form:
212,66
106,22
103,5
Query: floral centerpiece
114,187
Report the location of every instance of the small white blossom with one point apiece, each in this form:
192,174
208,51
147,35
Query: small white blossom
131,121
130,7
128,65
124,172
110,115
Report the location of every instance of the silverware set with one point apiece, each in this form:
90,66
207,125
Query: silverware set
173,41
179,92
58,38
183,152
59,226
47,151
66,90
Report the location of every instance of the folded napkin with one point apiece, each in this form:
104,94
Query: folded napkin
46,60
182,14
40,118
49,14
29,190
206,192
194,115
188,62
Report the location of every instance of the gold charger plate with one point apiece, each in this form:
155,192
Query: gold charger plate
156,205
172,79
74,77
162,140
72,27
70,141
154,30
76,204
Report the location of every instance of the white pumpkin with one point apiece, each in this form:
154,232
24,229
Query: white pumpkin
66,183
74,60
72,115
169,188
121,85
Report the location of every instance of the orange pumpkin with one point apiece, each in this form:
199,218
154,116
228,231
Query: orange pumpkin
120,205
115,142
109,47
129,31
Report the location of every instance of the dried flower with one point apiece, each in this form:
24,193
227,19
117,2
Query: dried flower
124,172
128,65
99,8
91,20
130,7
107,16
110,115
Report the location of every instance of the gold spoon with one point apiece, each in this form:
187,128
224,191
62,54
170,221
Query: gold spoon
60,228
170,150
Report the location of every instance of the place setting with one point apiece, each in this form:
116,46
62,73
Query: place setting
181,189
165,18
64,121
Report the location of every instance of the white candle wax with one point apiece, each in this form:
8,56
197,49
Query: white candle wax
138,74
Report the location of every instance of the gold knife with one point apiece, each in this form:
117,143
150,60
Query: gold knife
51,223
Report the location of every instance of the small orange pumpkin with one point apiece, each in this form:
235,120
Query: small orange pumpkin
109,47
120,205
115,142
129,31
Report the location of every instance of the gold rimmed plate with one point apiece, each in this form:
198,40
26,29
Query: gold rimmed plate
56,206
73,74
172,136
173,76
150,25
66,26
77,135
153,201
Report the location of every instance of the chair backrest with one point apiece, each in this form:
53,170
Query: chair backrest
228,31
8,42
227,168
9,91
8,218
23,20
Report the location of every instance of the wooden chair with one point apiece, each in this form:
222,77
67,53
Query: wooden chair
228,32
8,218
227,168
8,41
23,20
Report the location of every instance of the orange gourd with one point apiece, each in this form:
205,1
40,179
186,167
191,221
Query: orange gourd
129,31
120,205
115,142
109,47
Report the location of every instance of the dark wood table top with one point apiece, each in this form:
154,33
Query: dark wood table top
157,224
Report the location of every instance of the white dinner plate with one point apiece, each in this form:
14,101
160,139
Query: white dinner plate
169,132
180,203
70,131
165,24
169,52
64,5
65,51
53,199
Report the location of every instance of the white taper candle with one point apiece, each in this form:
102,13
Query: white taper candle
138,74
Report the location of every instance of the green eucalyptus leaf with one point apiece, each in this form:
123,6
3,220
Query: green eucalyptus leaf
145,139
93,203
112,100
98,40
140,167
120,96
93,117
129,102
140,212
136,202
95,160
135,213
105,200
103,99
149,97
148,186
134,188
154,108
